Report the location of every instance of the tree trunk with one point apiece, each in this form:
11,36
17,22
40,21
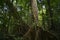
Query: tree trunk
35,15
50,15
34,11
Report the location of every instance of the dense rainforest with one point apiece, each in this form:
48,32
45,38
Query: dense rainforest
29,20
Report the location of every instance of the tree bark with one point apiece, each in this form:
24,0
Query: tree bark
35,15
34,10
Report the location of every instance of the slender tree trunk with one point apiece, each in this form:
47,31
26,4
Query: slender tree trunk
35,15
50,14
43,21
34,10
